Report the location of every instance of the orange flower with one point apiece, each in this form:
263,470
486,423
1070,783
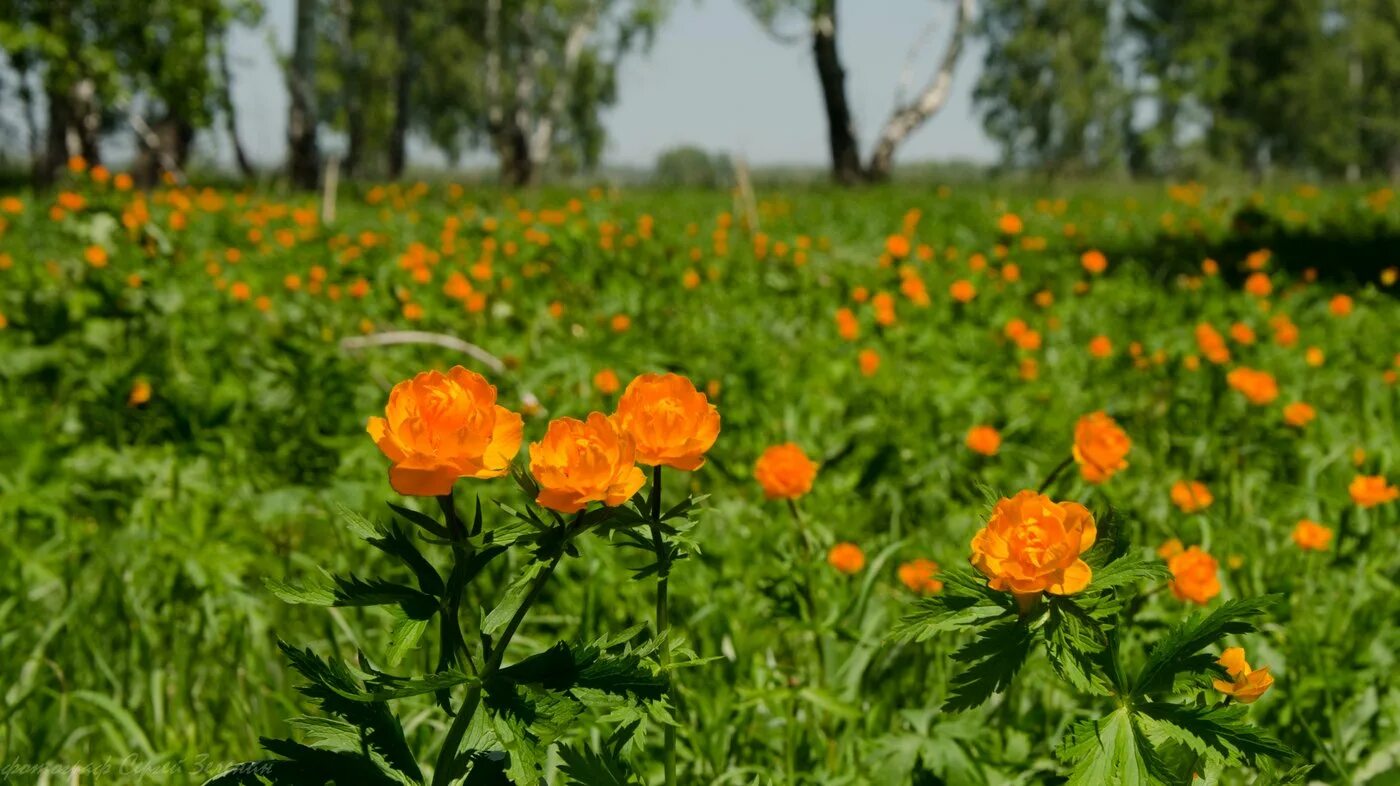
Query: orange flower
579,462
983,439
1311,536
1242,333
1094,261
1258,284
1246,685
1369,491
1100,447
95,256
847,326
847,558
140,393
1314,357
1170,549
1100,347
1032,544
606,382
785,472
962,291
1212,344
441,427
1191,496
1257,386
869,362
671,423
1298,414
620,323
897,246
1194,575
919,576
1010,224
240,291
1340,305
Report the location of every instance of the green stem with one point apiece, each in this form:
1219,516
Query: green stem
663,615
805,587
451,765
1055,473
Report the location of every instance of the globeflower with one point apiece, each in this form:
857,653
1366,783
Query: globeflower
1094,261
579,462
671,423
785,472
1194,576
440,427
1245,685
1298,414
1100,447
1259,387
1191,496
1369,491
1311,536
983,439
1032,545
846,558
919,575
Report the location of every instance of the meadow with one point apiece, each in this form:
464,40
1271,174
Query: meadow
188,376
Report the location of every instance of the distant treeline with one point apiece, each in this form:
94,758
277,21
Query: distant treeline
1068,87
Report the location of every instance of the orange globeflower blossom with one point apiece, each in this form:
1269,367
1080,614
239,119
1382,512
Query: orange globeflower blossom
785,472
1030,340
962,291
1100,447
1369,491
1212,344
671,422
578,462
1015,329
1170,549
1094,261
1314,357
1032,544
884,308
1242,333
897,246
606,382
847,558
1191,496
1298,414
95,256
1245,685
983,439
1257,386
240,291
1311,536
1101,347
869,362
1010,224
847,326
440,427
140,393
919,575
1340,305
1194,575
1258,284
620,323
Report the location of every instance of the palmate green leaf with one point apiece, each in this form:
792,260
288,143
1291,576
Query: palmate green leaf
994,657
1129,569
1112,751
303,765
1223,730
1073,642
563,667
395,542
584,767
355,591
1174,652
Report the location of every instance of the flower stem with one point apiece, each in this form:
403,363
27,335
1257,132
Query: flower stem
663,615
1055,473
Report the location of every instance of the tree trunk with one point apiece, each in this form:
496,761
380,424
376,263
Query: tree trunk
303,155
163,148
845,152
240,156
513,150
403,82
46,169
907,118
354,87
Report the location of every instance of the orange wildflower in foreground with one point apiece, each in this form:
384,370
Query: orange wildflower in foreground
785,472
1032,545
847,558
1094,261
1191,496
1194,575
920,576
983,439
1246,685
440,427
578,462
1369,491
1100,447
1257,386
671,422
1311,536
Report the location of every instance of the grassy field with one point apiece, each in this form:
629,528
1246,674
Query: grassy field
186,378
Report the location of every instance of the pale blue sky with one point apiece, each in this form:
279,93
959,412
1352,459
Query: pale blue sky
713,78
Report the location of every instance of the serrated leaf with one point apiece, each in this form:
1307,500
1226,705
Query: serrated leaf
1073,641
511,600
404,637
1174,651
1110,751
1126,570
1223,729
942,614
583,767
994,656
